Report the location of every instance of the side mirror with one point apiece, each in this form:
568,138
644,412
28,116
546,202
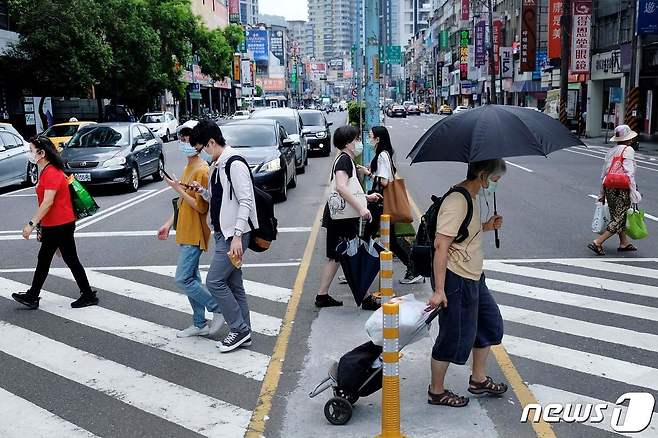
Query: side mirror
288,142
139,142
2,148
330,124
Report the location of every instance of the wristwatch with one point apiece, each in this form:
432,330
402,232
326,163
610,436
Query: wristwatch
237,233
31,223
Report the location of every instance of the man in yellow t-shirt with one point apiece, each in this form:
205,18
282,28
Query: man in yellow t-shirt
192,235
470,320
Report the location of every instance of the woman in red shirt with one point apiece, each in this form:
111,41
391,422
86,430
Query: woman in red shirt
57,219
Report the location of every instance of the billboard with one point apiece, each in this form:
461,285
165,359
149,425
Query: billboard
234,11
581,36
271,84
528,35
246,72
480,46
276,46
554,31
463,54
647,17
257,43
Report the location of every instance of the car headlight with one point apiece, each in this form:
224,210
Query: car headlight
116,161
321,134
271,166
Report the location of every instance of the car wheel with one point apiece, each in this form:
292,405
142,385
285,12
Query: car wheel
133,179
293,182
167,137
159,174
283,193
326,151
31,175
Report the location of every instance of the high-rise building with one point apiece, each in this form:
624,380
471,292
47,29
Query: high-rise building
413,16
214,14
331,21
273,20
301,35
249,12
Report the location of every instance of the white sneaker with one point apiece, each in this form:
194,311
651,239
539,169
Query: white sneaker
193,331
216,324
342,279
411,279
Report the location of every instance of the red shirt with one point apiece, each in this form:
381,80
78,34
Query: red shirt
61,212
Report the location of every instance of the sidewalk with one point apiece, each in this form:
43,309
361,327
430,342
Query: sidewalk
646,147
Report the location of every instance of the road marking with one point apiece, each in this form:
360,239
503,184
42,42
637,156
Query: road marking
520,167
265,324
546,395
102,216
646,215
198,412
245,362
113,207
581,280
20,418
5,195
583,329
259,417
638,158
575,260
593,364
603,158
30,195
574,300
133,268
610,267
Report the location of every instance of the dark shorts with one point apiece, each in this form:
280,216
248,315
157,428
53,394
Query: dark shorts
337,231
471,320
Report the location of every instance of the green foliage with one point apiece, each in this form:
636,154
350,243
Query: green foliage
356,113
259,91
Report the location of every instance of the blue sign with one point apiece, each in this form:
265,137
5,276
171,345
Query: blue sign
541,60
257,42
615,95
647,17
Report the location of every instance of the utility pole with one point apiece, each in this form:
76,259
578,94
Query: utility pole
492,59
372,72
633,95
565,55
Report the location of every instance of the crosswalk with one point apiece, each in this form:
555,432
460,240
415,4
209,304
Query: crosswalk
126,350
581,330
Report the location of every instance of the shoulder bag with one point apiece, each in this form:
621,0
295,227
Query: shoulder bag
616,177
339,208
396,202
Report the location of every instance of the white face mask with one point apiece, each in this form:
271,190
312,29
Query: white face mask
33,158
358,148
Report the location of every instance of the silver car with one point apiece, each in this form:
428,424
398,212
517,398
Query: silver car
14,166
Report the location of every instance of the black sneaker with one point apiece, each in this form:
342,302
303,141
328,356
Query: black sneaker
411,278
327,301
85,300
370,303
233,340
26,300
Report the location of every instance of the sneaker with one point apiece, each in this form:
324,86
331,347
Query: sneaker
411,278
327,301
193,331
246,344
26,300
216,324
342,279
370,303
85,300
233,340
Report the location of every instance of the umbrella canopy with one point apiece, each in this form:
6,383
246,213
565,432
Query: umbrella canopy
360,263
492,131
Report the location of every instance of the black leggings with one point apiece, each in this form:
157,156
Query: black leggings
52,238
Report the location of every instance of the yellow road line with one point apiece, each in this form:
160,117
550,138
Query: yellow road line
523,393
256,427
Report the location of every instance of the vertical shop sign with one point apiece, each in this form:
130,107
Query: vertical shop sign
528,35
580,37
497,38
554,30
463,54
480,47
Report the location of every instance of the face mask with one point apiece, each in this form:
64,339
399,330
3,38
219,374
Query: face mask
358,149
489,190
32,157
205,156
187,149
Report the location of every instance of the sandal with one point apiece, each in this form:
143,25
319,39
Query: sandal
627,248
488,387
447,398
596,248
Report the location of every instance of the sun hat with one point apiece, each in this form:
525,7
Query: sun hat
623,133
187,126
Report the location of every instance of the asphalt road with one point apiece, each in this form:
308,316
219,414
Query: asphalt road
578,328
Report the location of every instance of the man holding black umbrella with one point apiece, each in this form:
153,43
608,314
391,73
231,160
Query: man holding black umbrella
470,320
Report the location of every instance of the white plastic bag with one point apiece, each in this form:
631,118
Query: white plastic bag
412,322
601,218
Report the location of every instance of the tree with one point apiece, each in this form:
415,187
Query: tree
259,91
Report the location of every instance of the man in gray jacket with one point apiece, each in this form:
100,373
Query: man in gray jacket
233,216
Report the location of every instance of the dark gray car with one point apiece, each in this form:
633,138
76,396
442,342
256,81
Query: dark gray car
294,126
316,131
114,153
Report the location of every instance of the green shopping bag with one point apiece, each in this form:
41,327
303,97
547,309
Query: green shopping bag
404,230
84,204
635,226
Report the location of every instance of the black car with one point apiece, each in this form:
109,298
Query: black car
291,121
316,130
268,149
398,111
114,153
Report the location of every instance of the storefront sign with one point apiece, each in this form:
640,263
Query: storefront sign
480,46
463,54
446,77
581,36
443,39
234,11
647,17
497,39
236,67
554,30
466,12
540,63
246,73
447,58
472,70
272,84
507,62
257,44
528,35
606,65
276,46
648,113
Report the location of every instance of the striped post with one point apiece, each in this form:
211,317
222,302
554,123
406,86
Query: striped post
386,275
385,230
632,107
391,373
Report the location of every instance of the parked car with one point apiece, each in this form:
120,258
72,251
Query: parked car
413,109
406,104
118,113
460,109
114,153
398,111
240,115
293,125
268,149
445,110
14,166
62,132
161,124
318,134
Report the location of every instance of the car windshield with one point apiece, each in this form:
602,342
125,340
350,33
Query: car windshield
249,136
152,118
288,122
61,131
101,136
312,119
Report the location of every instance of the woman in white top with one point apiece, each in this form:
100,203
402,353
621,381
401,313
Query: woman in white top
382,170
619,200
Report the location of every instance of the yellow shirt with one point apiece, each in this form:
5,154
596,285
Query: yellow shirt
192,227
464,259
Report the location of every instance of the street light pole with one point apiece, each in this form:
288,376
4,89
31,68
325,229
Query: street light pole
372,72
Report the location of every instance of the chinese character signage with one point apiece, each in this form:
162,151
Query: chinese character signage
257,44
581,36
234,11
463,54
647,17
540,64
554,30
276,45
497,38
528,35
443,38
506,62
466,12
480,46
236,67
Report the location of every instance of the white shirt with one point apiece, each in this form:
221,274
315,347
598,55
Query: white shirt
384,167
629,167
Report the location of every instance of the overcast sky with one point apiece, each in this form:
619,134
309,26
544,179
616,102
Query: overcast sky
291,9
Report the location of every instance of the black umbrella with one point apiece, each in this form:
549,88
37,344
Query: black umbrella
360,262
492,131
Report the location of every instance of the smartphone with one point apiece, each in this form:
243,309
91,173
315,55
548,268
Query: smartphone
187,186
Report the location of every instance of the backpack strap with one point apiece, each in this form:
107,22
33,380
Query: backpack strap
463,229
227,169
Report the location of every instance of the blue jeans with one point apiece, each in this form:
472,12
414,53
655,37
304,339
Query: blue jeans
188,280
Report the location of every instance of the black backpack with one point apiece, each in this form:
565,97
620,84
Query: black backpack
262,237
422,252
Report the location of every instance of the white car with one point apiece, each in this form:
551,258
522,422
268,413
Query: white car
161,124
460,109
14,165
240,115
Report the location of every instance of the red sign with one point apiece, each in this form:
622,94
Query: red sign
272,84
581,36
234,11
466,12
528,35
554,30
497,38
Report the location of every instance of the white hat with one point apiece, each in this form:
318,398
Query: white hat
623,133
189,124
73,119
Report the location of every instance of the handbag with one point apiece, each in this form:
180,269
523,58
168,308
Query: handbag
403,229
338,207
636,228
616,177
84,205
174,203
396,202
601,218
